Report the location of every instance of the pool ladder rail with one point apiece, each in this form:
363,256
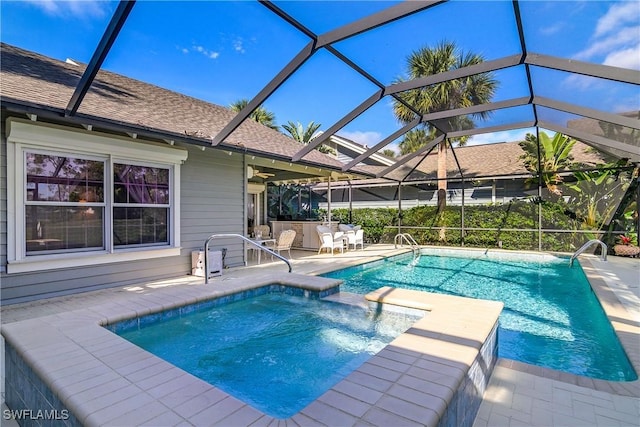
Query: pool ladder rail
406,237
584,247
240,236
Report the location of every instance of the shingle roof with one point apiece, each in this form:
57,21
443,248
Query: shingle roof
34,80
499,159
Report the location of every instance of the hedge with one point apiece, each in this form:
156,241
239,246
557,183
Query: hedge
381,225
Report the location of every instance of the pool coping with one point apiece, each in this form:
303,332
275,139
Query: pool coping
103,379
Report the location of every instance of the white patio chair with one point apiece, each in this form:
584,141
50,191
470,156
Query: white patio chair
330,240
284,242
354,234
264,230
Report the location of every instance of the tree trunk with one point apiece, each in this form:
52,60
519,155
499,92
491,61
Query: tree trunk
442,176
442,186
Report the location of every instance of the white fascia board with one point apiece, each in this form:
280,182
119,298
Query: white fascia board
90,142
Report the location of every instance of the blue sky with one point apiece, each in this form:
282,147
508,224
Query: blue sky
222,51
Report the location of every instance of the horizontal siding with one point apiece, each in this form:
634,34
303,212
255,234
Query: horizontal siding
62,282
3,195
212,201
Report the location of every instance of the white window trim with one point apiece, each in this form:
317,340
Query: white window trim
26,135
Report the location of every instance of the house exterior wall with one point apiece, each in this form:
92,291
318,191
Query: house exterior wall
489,191
3,200
211,201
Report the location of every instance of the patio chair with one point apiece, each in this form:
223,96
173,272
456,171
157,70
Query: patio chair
355,235
263,229
284,242
330,240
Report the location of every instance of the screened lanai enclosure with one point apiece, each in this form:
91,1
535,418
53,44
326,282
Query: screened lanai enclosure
506,124
571,176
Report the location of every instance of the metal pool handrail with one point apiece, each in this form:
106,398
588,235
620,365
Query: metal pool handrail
584,247
257,245
406,237
412,242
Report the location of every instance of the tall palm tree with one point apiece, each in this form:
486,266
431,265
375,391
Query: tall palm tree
303,135
389,152
260,114
456,93
414,139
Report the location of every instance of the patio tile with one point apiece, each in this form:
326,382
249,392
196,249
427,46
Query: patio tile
200,402
141,415
345,403
379,417
96,381
263,421
109,399
245,416
426,400
358,391
170,373
621,417
379,372
369,381
412,411
137,404
327,414
216,411
165,388
165,419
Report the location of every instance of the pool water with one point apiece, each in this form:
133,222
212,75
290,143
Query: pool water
275,352
551,316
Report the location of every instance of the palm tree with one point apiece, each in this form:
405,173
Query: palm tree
456,93
555,156
389,152
414,139
303,135
260,114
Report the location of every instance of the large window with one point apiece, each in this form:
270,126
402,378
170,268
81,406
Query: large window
83,198
64,206
141,205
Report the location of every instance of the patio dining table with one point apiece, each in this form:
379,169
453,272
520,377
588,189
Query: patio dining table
261,242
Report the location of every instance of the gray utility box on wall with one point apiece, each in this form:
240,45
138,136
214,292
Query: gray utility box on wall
215,263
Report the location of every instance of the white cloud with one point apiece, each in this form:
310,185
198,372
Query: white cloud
628,58
74,8
581,82
618,15
368,138
238,45
504,136
552,29
616,38
202,50
621,38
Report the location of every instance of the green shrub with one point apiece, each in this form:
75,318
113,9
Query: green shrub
422,222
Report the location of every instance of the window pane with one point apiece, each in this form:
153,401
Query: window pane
64,179
58,228
136,226
140,184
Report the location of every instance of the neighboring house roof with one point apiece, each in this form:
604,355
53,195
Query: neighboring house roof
35,81
349,150
487,160
594,127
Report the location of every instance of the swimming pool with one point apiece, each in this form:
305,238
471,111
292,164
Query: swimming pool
274,351
551,316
